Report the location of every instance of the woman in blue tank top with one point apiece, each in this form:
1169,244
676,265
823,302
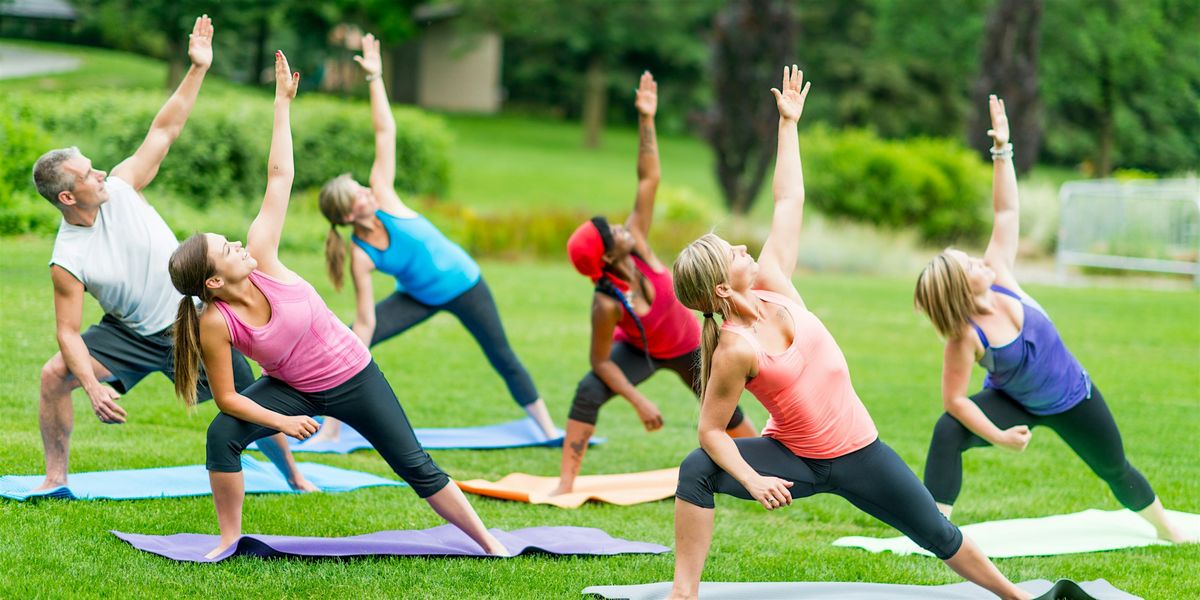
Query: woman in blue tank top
432,273
1032,379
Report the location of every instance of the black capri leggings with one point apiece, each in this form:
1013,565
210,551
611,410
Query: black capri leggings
592,393
873,478
1088,428
365,402
476,310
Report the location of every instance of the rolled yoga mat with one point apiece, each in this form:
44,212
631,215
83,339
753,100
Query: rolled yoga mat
1061,590
1087,531
522,433
446,540
172,482
623,489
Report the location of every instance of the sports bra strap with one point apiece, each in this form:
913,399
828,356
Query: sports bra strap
1005,291
979,332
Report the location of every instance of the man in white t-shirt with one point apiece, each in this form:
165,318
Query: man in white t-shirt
114,245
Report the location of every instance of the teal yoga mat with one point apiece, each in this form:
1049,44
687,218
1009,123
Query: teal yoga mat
171,482
522,433
1087,531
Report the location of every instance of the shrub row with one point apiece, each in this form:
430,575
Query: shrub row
222,152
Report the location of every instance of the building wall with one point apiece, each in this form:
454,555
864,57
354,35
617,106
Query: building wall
459,74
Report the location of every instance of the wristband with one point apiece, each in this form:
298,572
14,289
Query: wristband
1005,151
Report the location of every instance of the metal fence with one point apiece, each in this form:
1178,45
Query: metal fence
1143,225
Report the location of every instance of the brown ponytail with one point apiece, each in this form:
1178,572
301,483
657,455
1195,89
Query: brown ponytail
335,258
335,201
189,268
187,351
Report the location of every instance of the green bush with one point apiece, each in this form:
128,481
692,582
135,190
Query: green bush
221,155
21,208
934,185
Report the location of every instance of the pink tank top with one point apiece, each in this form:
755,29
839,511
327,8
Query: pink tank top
303,345
806,389
671,329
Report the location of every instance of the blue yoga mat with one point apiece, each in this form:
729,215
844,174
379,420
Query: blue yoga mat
523,433
171,482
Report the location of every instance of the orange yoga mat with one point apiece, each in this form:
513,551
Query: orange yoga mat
623,489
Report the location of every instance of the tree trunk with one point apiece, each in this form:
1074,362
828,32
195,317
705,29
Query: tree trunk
595,101
261,33
1008,68
1106,130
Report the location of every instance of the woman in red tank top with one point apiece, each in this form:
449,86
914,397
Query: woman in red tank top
820,438
638,327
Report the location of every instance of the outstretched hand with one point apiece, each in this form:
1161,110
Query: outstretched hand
999,130
286,82
647,95
791,100
200,42
370,60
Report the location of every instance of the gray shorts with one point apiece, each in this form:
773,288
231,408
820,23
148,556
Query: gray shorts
130,356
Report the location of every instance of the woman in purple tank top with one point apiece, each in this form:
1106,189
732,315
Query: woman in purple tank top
985,317
312,363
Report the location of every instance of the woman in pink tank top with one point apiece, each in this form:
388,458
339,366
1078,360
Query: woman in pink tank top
638,327
819,438
312,363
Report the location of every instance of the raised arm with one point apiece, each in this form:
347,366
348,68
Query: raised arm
778,258
139,170
383,171
263,239
1006,225
648,169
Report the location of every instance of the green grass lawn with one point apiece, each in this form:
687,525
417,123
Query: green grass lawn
1141,347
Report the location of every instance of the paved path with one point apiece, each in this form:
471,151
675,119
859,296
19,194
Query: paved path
16,61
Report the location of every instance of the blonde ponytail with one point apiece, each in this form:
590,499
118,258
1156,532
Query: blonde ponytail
335,258
710,335
336,200
697,272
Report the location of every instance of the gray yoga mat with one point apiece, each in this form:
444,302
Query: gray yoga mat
1062,590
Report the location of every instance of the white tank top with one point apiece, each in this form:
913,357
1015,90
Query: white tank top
122,260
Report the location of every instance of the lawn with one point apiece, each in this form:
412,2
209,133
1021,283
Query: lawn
1142,348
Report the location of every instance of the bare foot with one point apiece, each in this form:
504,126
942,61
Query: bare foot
1175,536
221,548
326,435
563,488
304,485
49,484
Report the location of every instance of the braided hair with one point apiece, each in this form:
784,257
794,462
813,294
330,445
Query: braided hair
605,286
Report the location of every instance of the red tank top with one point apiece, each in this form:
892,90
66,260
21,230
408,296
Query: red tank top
814,409
671,329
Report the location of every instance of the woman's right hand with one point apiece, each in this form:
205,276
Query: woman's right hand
795,90
299,427
1016,438
999,130
286,82
649,414
370,60
770,492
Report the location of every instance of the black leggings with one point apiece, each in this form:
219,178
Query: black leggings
873,478
365,402
592,393
1088,428
476,310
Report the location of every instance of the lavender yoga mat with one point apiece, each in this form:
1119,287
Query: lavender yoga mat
446,540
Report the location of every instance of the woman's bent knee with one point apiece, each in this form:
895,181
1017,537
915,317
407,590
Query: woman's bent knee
695,479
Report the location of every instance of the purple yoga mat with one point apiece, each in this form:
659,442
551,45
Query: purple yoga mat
446,540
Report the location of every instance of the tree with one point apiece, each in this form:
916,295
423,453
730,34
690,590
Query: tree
1009,69
751,42
1121,84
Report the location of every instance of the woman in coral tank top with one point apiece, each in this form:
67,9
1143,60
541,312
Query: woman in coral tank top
819,438
312,363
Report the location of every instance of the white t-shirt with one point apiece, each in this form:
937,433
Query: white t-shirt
122,260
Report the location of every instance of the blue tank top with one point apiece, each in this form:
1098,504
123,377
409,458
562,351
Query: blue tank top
1035,369
426,265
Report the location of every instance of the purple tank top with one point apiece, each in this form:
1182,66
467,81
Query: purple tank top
1035,369
303,344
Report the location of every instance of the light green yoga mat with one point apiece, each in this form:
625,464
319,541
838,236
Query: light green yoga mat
1087,531
1044,590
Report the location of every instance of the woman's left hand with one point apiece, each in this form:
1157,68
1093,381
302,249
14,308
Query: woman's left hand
286,82
370,60
647,95
999,130
771,492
